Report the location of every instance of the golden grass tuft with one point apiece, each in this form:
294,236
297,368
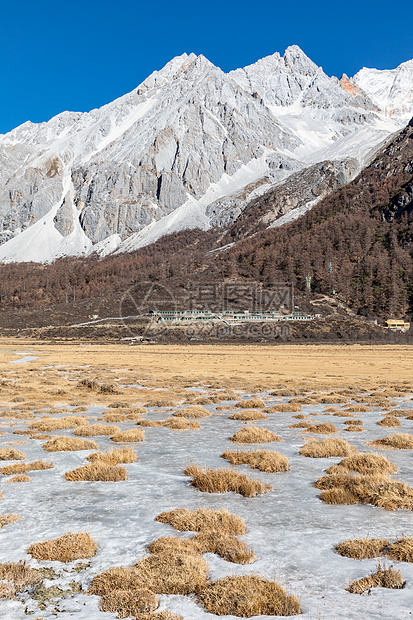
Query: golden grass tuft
376,489
11,454
203,520
114,457
160,573
357,408
324,448
182,424
66,548
382,578
362,548
401,550
211,480
284,408
264,460
133,435
45,425
248,414
23,468
68,444
193,411
301,425
16,577
121,417
247,595
8,519
254,434
94,430
250,403
389,421
20,478
173,545
399,441
354,428
97,472
364,463
138,603
226,546
332,399
323,429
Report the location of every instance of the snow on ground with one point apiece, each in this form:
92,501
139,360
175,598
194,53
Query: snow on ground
290,530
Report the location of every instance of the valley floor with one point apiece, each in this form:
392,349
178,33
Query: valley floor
291,531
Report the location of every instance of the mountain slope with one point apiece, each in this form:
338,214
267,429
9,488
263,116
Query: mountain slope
188,148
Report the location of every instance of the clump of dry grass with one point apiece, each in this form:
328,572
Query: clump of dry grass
322,429
226,546
124,415
11,454
160,573
203,520
114,457
68,444
376,489
20,478
284,408
93,386
193,411
17,415
246,596
324,448
264,460
16,577
133,435
182,424
341,414
138,603
248,414
66,548
389,420
364,463
362,548
300,416
8,519
399,441
332,399
97,472
401,550
357,408
94,430
301,425
173,545
53,424
254,434
382,578
250,403
211,480
23,468
354,428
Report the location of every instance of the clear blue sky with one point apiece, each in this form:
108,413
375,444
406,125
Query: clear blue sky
78,55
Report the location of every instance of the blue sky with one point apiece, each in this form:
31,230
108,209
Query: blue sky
79,55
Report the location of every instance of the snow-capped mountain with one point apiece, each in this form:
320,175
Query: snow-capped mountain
188,148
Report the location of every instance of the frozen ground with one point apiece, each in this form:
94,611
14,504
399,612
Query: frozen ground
290,530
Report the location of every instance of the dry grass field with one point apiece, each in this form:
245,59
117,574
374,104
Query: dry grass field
179,536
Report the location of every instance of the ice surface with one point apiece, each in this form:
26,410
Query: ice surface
290,530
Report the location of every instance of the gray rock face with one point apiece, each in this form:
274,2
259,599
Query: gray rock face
189,136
